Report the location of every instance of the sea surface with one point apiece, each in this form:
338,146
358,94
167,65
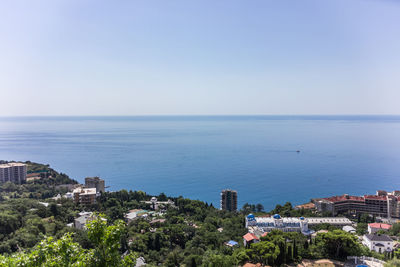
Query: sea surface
198,156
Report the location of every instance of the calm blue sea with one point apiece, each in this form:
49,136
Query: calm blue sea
197,156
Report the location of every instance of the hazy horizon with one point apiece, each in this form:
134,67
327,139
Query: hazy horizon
135,58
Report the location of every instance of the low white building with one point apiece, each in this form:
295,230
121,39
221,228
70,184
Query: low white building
276,222
349,229
378,243
155,204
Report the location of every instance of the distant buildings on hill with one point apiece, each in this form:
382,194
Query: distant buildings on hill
229,200
86,195
13,172
382,204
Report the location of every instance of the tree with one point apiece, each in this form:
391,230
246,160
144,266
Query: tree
338,244
65,252
259,207
264,252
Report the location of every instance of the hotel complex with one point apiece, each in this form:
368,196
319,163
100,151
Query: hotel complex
229,200
382,204
13,172
260,225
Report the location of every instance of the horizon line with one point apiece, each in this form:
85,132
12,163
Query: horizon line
197,115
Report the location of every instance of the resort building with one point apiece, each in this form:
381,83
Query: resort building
378,243
85,196
382,204
13,172
276,222
375,227
290,224
95,182
229,200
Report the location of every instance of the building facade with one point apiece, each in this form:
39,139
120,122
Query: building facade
13,172
95,182
85,196
382,204
291,224
229,200
378,243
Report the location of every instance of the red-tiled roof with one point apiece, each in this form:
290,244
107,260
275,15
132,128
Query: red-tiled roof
344,198
264,234
380,226
249,236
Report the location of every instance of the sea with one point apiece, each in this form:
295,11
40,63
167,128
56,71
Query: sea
266,159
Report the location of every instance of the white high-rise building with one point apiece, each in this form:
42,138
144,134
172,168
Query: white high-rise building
13,172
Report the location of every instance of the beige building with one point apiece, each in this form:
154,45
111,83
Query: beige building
13,172
85,196
95,182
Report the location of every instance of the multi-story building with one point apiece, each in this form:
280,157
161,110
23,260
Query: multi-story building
95,182
13,172
290,224
85,196
229,200
382,204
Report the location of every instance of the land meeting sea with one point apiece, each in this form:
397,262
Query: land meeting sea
267,159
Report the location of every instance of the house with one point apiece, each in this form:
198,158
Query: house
249,239
135,214
83,219
378,243
375,227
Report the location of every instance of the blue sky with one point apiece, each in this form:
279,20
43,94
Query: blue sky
199,57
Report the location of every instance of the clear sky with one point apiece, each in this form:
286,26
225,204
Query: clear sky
78,57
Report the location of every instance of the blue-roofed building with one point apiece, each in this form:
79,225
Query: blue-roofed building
276,222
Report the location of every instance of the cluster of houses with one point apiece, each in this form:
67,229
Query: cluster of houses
260,226
153,216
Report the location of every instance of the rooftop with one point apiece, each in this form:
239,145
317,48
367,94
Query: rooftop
380,225
383,238
12,164
343,198
249,237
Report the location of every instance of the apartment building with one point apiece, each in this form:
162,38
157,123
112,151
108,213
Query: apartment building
13,172
229,200
85,196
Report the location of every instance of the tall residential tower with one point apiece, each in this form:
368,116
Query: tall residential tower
229,200
13,172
